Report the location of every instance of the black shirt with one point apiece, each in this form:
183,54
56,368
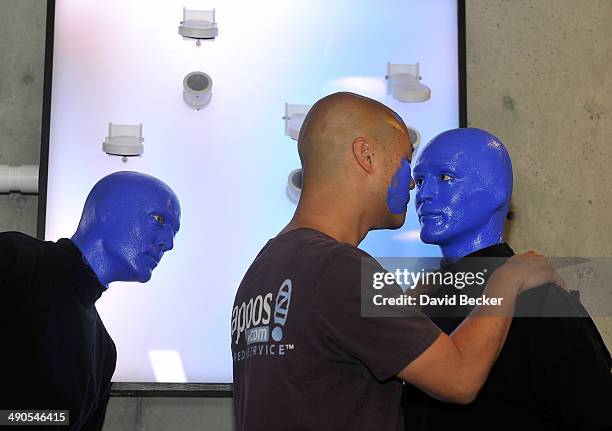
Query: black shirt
56,353
552,373
304,358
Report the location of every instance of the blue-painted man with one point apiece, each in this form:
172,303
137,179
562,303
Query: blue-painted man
554,370
56,352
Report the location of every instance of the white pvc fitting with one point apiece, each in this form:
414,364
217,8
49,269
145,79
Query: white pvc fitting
198,24
197,88
124,140
294,124
404,83
407,88
415,136
294,185
22,179
294,117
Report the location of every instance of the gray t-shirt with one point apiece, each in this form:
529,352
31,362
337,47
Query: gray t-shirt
304,358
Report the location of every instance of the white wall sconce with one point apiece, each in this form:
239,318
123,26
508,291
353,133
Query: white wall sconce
294,117
415,137
124,140
404,83
197,88
294,185
198,25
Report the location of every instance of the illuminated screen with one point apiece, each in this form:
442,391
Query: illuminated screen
124,62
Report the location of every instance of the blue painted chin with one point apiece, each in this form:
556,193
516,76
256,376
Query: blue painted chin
144,268
398,193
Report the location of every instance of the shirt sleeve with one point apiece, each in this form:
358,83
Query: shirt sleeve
385,345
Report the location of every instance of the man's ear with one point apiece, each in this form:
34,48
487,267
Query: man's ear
362,150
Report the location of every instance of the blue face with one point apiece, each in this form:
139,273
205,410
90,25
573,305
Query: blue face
144,232
398,193
128,223
462,191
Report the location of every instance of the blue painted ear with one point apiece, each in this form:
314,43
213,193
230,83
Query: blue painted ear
398,193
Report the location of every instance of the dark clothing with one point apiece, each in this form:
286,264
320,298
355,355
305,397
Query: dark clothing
304,358
553,373
56,352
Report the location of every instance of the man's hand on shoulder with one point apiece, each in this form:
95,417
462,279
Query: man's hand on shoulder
530,270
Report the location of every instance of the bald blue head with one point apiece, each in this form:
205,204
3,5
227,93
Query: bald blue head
129,221
464,185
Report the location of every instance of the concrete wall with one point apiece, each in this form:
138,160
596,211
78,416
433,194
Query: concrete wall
165,414
539,76
22,55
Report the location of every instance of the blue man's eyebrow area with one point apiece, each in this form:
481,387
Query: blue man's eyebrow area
437,164
175,223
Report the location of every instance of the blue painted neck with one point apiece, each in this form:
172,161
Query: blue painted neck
95,256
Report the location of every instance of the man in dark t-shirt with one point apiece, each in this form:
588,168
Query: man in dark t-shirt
324,366
57,354
303,356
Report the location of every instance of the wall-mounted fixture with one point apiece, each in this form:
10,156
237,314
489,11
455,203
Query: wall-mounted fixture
294,185
294,117
197,88
124,140
404,83
20,179
198,25
415,136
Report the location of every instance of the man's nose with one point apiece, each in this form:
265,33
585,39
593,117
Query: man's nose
166,240
427,190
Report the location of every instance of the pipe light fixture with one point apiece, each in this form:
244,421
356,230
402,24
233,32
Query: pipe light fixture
124,140
404,83
198,25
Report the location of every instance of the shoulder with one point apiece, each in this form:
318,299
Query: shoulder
19,262
343,271
548,300
560,323
14,244
17,237
347,260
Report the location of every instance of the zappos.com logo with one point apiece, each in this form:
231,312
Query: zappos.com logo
253,318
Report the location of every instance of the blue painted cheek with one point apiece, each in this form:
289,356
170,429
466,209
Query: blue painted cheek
398,193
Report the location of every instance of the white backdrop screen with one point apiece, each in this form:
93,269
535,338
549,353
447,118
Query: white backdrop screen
124,62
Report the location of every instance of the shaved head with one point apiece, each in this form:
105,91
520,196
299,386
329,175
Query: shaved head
333,124
355,155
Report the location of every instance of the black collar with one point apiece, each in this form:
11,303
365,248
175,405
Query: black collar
85,282
497,250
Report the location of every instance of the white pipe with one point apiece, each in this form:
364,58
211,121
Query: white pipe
21,179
